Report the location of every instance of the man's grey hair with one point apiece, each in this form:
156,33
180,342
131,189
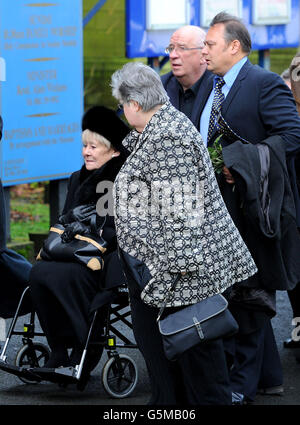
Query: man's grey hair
139,82
234,30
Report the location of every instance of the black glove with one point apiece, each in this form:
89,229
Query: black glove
81,213
75,228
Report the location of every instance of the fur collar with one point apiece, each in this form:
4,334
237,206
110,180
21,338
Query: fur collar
86,192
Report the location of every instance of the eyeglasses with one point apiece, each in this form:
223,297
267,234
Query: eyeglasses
181,49
120,107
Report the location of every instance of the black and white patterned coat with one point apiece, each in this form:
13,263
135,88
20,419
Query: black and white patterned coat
170,215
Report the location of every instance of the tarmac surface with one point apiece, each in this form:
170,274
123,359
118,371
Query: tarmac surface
15,393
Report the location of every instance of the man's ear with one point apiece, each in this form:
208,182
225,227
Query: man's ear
235,47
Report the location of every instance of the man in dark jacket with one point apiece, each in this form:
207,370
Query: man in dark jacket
14,268
189,82
256,105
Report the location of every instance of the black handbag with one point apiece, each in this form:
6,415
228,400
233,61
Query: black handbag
86,250
204,321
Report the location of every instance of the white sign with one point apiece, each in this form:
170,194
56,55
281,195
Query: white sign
167,14
209,9
271,12
2,69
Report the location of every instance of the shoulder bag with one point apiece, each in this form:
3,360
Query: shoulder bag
198,323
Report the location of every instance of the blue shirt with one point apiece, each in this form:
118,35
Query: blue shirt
229,79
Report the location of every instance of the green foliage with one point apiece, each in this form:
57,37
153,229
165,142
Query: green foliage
281,59
104,50
26,249
32,218
216,156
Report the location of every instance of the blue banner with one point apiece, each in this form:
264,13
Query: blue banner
41,92
268,26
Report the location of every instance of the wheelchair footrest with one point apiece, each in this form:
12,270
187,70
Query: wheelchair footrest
19,371
61,375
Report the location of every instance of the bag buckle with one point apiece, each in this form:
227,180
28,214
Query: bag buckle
198,327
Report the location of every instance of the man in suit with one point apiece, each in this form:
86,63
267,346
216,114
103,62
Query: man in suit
256,104
189,79
291,77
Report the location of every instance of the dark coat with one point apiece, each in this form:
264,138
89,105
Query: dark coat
72,290
82,190
14,270
268,228
260,105
172,88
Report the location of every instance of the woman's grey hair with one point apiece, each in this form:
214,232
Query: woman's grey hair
88,135
139,82
234,30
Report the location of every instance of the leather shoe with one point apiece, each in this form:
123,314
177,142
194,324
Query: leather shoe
291,343
278,390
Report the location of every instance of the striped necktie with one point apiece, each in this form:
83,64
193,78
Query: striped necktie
216,106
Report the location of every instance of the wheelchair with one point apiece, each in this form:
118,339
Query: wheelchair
119,373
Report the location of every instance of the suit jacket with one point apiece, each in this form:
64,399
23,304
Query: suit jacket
172,88
260,105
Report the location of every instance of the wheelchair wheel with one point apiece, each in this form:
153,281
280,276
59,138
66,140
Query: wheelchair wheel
119,376
32,355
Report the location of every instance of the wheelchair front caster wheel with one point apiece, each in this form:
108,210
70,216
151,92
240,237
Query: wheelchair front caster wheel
119,376
32,355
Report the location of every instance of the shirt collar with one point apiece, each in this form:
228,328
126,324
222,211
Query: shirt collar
231,75
194,88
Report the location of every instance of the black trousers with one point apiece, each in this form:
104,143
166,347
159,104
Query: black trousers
199,377
61,295
256,361
294,297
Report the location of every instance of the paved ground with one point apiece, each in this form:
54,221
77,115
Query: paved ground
14,392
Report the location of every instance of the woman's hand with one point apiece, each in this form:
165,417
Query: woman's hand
81,213
228,176
73,229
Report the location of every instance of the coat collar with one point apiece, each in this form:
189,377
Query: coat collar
135,139
233,92
204,89
236,86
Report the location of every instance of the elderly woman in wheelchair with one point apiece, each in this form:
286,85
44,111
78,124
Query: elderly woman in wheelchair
65,282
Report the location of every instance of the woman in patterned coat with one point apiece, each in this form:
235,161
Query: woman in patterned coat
171,219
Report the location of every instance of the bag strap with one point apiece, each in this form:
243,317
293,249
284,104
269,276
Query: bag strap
172,287
93,224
